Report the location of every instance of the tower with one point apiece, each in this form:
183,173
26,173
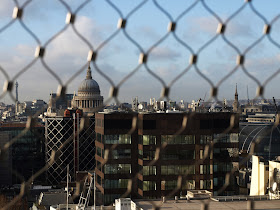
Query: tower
17,103
16,91
235,104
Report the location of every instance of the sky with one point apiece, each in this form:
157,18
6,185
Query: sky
97,20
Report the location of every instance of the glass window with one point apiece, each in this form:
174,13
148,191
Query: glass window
117,139
179,139
205,139
117,169
206,184
98,151
148,155
149,170
148,139
163,170
140,154
204,169
121,154
149,185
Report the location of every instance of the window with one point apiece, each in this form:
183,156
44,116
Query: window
98,137
204,169
149,170
205,139
117,169
140,154
148,155
178,155
98,151
225,138
147,139
206,184
177,169
113,184
121,154
117,139
179,139
149,185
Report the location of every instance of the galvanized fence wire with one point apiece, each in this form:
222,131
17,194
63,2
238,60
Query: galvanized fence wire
144,57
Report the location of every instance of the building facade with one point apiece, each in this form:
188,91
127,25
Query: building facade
140,152
75,145
25,156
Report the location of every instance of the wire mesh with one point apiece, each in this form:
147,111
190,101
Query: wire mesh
55,148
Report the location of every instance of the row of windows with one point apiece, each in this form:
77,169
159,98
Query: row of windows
149,170
223,167
114,139
226,138
121,154
178,155
177,169
168,155
170,139
113,184
179,139
206,184
226,152
206,169
115,154
149,185
117,139
117,169
171,185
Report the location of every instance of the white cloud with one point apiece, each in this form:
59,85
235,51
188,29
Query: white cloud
163,53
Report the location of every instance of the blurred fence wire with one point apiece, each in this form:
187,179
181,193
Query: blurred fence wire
18,16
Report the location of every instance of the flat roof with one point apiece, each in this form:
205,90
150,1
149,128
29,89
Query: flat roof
197,204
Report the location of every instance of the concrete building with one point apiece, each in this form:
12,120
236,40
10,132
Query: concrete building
126,154
265,178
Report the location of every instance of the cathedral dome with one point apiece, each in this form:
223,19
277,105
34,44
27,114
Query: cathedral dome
89,85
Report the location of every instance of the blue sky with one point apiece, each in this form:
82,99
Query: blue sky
98,20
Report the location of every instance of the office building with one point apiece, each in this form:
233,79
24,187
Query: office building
141,152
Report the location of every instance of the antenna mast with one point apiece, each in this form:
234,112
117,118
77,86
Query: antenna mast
16,91
248,95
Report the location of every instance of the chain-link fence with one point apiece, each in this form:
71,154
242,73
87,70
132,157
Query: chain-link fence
193,47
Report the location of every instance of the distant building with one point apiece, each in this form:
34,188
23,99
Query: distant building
88,99
57,106
26,155
135,149
235,104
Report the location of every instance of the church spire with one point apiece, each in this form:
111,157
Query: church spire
235,104
88,72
